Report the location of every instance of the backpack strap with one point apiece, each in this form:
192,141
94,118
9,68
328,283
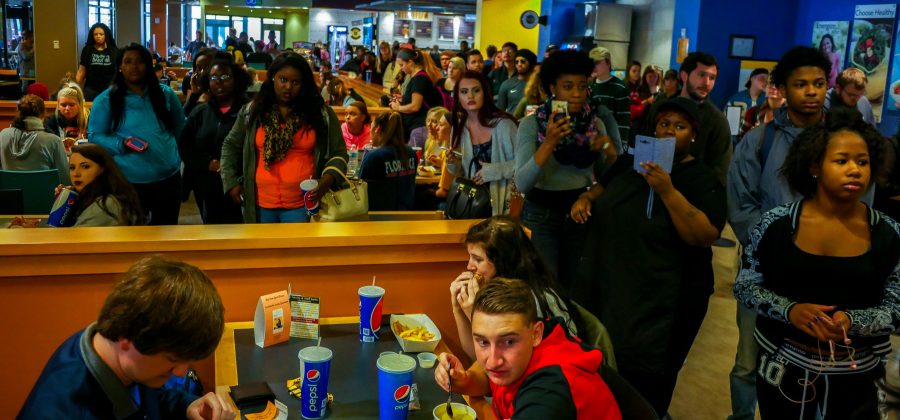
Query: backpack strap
765,144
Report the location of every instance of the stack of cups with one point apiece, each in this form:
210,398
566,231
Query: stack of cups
312,205
371,299
315,365
395,378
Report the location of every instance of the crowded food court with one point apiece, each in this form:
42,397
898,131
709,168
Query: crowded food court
491,209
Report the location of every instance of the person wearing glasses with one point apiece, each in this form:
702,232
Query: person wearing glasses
201,140
284,136
513,89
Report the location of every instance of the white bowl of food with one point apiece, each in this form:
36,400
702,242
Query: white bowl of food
415,332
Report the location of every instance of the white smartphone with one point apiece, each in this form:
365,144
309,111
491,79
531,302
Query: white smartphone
561,106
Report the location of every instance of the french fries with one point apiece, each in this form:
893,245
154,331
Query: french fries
419,333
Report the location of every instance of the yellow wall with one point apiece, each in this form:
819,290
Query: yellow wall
498,22
296,26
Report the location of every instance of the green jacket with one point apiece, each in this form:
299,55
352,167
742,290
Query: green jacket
238,163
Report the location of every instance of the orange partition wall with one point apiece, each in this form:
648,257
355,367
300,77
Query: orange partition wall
53,281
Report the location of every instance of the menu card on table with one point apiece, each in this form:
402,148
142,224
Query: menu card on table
269,323
304,316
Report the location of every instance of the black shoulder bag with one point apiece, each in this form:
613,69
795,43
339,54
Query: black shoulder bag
468,200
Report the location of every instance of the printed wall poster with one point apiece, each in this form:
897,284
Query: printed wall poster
831,39
870,48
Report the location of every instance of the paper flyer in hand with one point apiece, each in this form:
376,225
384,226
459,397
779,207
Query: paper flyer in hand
304,316
652,149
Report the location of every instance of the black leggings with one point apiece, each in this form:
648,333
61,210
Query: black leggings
161,200
838,396
658,386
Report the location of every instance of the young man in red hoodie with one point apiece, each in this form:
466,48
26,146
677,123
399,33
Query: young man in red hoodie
531,367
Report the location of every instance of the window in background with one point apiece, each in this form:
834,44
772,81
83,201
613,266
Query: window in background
102,11
146,35
276,25
254,28
190,16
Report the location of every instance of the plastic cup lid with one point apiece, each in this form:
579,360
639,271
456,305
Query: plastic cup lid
309,184
315,354
371,291
396,363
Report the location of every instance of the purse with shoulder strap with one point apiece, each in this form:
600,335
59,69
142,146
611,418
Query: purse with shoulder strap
344,203
468,200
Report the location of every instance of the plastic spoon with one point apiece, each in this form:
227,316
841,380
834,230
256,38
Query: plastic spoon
449,391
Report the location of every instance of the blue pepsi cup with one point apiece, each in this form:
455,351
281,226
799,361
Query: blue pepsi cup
315,364
371,299
395,378
312,205
63,208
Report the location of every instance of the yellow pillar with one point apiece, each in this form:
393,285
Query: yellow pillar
498,22
296,27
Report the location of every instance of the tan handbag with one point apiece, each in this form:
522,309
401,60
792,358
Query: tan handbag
516,201
345,203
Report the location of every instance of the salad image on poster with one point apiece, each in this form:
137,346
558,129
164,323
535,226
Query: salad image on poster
870,49
873,44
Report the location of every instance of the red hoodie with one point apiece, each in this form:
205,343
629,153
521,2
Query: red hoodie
562,381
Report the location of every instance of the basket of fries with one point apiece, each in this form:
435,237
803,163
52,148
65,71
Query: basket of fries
415,332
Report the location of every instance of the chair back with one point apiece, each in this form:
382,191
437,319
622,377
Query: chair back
37,188
632,404
596,335
11,202
384,195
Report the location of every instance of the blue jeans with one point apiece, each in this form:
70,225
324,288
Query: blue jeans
557,238
743,374
298,215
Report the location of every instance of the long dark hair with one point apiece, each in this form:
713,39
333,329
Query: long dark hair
514,256
308,105
151,83
390,134
110,42
110,182
486,115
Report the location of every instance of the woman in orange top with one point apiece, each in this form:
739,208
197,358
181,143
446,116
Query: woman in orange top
284,136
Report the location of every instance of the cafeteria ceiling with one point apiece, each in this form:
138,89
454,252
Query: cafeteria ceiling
433,6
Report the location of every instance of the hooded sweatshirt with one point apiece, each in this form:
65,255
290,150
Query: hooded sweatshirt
33,150
562,380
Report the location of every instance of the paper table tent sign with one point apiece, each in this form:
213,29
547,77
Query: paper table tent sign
271,324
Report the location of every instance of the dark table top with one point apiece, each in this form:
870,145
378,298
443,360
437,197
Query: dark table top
353,379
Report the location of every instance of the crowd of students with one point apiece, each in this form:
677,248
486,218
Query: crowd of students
609,245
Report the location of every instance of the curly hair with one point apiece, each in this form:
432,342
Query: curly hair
564,62
799,57
28,106
810,146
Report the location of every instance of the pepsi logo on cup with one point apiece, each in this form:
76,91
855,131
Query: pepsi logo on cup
375,317
401,394
313,375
